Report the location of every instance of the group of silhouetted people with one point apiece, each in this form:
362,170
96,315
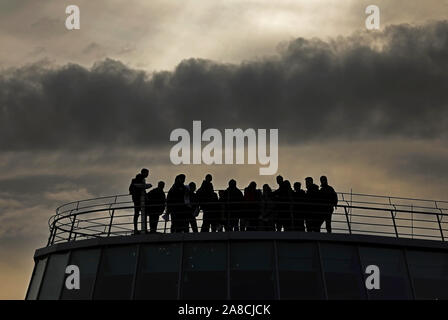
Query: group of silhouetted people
288,208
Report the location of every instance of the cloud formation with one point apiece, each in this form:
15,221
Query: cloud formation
368,85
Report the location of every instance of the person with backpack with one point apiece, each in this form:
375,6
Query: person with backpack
137,189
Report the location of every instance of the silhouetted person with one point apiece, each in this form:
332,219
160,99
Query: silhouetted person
192,203
251,216
176,205
156,205
313,206
277,206
299,207
330,200
234,206
221,211
137,189
285,207
267,215
207,198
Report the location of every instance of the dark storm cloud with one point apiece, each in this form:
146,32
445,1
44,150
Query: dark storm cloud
368,85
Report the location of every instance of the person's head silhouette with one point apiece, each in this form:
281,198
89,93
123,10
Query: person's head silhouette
182,178
266,188
297,186
144,172
279,180
232,184
161,185
308,182
253,185
323,181
192,186
208,178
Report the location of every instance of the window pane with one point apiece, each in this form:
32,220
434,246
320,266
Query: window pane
342,272
204,264
429,271
394,280
116,273
299,271
158,274
252,272
87,262
54,277
37,279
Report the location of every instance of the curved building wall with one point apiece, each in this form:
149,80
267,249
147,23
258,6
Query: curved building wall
264,266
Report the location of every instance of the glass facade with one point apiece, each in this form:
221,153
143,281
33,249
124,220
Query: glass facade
87,262
158,273
116,273
54,277
394,280
204,273
252,270
342,271
299,271
36,280
237,269
429,274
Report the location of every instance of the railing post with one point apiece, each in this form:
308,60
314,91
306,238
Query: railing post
72,227
440,226
50,238
111,220
395,225
55,229
165,221
348,220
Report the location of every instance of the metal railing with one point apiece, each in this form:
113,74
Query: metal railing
355,214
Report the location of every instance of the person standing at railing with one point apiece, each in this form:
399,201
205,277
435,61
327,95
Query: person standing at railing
192,203
276,198
176,207
253,202
285,207
313,206
234,206
156,205
221,211
267,215
207,198
330,201
137,189
298,207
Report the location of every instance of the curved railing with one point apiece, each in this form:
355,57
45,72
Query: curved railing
355,214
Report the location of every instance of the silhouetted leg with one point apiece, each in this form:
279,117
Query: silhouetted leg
309,225
144,218
328,222
153,221
194,225
136,214
205,223
173,222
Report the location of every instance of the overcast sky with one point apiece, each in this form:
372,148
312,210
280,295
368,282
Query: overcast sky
82,111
